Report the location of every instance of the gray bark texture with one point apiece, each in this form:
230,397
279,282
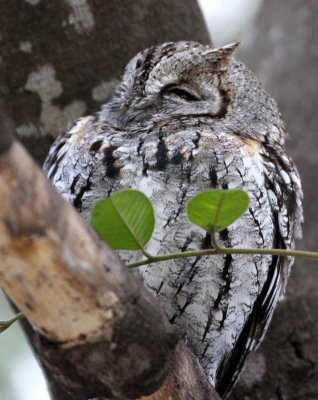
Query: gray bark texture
61,59
284,54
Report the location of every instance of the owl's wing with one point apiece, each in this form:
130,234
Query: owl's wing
73,159
65,146
84,161
285,196
255,327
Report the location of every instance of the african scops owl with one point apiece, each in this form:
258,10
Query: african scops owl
185,118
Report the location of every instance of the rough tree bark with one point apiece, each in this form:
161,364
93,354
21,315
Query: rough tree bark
98,331
284,55
60,60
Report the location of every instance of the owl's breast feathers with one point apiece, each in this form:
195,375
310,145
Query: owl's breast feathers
223,304
251,145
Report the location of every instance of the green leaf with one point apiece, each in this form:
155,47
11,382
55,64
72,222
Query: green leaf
6,324
124,220
217,209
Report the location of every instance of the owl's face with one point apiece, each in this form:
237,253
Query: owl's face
188,80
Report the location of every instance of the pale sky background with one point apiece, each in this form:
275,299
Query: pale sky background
20,376
229,20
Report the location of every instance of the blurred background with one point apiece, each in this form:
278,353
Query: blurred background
279,43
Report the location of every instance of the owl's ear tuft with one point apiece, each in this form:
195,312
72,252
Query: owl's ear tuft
226,52
220,56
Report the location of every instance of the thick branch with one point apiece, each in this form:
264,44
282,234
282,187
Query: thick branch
100,332
75,291
186,380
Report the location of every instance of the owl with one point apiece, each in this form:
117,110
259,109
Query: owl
185,118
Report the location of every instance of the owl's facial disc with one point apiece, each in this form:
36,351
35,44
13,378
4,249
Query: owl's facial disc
174,80
187,82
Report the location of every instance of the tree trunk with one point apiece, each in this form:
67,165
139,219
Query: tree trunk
61,59
284,55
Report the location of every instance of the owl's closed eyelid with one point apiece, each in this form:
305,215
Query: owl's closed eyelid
182,92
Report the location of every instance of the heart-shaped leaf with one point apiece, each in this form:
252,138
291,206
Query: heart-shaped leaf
217,209
125,220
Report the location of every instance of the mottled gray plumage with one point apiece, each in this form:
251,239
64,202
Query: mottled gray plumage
185,118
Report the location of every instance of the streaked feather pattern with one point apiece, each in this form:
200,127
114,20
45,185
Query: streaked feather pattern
185,118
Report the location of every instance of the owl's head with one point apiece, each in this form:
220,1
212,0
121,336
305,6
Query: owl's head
187,79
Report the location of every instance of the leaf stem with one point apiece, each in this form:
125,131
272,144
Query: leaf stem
172,256
6,324
214,240
223,250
